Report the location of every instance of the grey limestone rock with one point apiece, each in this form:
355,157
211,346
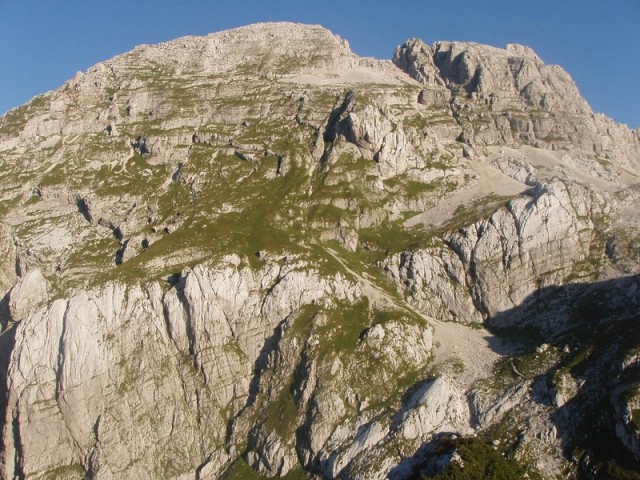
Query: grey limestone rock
8,274
494,265
437,407
436,282
29,293
550,111
200,242
175,359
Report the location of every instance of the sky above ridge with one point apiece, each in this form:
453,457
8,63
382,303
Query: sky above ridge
44,43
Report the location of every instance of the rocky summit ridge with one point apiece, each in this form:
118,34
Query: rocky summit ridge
255,254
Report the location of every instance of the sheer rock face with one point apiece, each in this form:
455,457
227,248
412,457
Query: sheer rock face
8,260
126,378
380,139
175,302
437,282
437,407
119,375
492,266
532,242
30,292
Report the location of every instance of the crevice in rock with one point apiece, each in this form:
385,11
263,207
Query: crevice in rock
178,173
303,444
7,343
184,302
18,466
119,258
19,264
106,223
165,314
335,126
59,369
5,314
84,208
140,145
198,472
189,326
262,362
61,359
92,466
279,169
278,279
471,277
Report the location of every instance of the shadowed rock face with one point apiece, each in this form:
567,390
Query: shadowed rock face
255,249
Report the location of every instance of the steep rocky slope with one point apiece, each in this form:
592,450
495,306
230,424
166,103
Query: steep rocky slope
255,254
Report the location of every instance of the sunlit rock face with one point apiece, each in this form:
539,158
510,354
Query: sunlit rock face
256,253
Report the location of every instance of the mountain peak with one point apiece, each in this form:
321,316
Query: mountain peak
264,45
257,250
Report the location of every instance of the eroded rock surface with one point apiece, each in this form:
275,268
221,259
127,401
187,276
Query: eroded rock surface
242,251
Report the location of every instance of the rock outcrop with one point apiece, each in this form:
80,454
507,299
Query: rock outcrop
509,96
9,265
494,265
29,293
177,360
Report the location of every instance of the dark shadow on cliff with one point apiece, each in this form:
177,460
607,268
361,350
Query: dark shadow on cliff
4,311
593,327
7,342
429,459
260,367
448,455
555,309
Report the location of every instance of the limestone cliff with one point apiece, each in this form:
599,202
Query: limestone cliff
256,253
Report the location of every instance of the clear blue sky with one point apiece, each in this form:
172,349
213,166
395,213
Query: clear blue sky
43,43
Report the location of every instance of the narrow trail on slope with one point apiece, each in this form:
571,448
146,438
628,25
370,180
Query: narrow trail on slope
465,353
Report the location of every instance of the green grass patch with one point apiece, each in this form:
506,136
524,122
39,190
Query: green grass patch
344,328
479,460
7,205
58,175
66,472
135,177
240,470
14,121
281,415
392,237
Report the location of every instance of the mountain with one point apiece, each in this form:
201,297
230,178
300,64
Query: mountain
256,254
